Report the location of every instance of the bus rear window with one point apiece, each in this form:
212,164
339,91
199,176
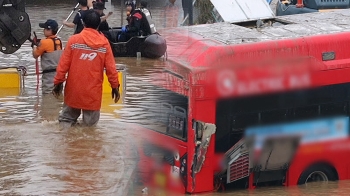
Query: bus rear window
167,113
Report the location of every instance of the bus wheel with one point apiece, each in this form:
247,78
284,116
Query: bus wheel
317,173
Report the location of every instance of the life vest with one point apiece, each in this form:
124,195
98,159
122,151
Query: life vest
49,60
148,26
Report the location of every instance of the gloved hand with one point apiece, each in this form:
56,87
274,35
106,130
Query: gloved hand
57,89
115,94
35,42
124,29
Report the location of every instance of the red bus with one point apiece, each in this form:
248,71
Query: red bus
239,106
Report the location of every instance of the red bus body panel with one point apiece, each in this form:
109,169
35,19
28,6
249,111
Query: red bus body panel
274,65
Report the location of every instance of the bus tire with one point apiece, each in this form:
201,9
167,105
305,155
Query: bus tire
319,172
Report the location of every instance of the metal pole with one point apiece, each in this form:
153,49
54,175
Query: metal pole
188,15
71,13
122,2
190,12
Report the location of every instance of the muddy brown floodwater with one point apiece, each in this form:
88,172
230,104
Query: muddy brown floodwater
39,158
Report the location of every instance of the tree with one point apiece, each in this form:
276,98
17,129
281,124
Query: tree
205,8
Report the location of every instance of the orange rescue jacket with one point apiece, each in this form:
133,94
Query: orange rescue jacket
84,58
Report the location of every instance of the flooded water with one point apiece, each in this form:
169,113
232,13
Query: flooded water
312,189
39,158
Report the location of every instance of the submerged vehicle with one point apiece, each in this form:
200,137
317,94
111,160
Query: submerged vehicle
308,6
238,10
243,107
293,7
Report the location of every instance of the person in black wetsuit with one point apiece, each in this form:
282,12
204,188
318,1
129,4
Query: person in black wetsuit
78,22
99,7
134,23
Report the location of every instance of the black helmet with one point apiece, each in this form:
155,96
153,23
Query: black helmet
131,3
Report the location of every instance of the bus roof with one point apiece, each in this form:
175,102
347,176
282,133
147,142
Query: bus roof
204,45
285,27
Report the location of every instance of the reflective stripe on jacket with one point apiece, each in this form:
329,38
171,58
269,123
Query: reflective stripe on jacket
84,58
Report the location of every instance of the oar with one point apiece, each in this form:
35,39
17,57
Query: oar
36,64
71,13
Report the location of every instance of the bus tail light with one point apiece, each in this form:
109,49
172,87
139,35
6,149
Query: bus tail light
176,156
183,169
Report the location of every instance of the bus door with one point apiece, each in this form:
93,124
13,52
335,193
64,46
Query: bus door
202,133
270,153
268,158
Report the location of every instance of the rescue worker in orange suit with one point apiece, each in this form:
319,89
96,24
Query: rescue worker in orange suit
134,23
85,58
50,50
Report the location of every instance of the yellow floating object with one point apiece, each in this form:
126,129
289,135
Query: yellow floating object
106,88
108,106
10,78
5,92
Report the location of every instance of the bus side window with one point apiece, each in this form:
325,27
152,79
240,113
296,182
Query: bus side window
306,112
333,109
165,110
274,116
239,123
242,121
